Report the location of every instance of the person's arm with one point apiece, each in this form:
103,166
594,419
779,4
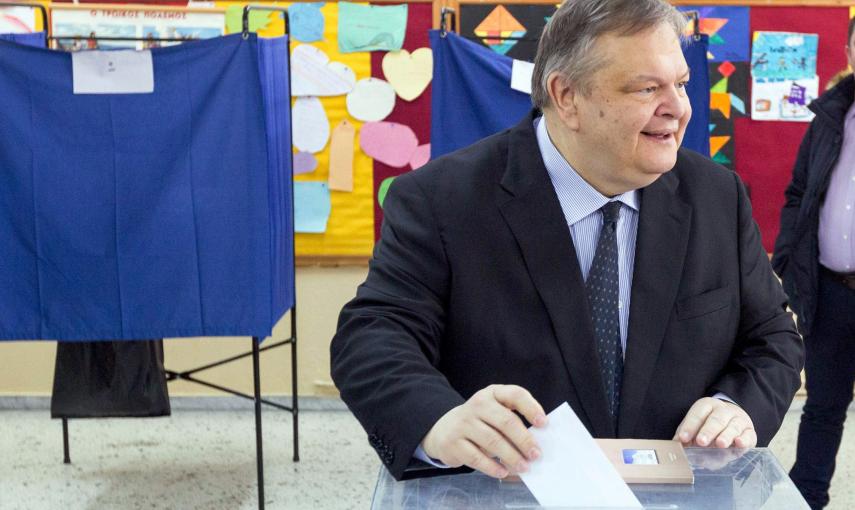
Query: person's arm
763,373
386,351
387,346
792,204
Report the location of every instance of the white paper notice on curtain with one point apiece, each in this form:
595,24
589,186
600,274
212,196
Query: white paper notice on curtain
17,20
90,25
782,99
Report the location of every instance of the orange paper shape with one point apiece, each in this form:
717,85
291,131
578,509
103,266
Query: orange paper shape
341,157
720,101
716,143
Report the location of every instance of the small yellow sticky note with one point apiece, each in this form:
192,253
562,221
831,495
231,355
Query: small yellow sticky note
409,73
341,157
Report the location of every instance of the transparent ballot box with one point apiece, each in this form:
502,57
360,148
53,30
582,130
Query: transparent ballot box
724,479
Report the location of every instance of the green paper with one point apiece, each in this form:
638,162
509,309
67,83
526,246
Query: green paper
721,158
720,87
234,19
716,39
363,27
383,189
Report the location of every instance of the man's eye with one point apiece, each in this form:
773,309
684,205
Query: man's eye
682,84
648,90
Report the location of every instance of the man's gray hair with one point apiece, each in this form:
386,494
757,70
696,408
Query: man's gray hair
567,43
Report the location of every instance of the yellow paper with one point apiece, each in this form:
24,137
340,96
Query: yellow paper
409,73
341,157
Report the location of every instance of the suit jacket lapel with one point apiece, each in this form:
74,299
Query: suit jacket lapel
663,234
533,213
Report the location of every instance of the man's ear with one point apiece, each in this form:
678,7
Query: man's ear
564,97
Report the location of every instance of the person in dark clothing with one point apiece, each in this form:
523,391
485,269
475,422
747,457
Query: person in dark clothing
581,257
815,258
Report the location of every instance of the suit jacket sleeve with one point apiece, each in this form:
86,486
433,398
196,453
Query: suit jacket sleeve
762,375
792,204
387,348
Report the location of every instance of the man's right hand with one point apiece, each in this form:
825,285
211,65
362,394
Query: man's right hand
484,428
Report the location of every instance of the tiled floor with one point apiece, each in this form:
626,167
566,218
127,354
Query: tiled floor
206,460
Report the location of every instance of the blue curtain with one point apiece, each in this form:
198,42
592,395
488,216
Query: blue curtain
472,97
36,39
127,216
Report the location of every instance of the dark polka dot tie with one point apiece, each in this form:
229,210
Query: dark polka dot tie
603,295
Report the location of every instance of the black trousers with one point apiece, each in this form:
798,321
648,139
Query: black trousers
829,378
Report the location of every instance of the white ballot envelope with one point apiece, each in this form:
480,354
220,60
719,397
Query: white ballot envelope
573,472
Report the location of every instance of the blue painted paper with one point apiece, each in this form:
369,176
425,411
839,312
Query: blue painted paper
306,21
311,207
784,55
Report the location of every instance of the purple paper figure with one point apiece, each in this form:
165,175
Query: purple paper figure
797,94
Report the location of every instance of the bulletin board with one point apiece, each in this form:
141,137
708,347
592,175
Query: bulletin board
354,216
761,152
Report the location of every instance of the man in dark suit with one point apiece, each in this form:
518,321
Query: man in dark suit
815,258
577,257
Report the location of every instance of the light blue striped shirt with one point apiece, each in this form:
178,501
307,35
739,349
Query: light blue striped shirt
581,204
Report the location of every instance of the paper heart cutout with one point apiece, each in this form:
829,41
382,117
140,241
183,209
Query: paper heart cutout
409,73
390,143
371,100
312,74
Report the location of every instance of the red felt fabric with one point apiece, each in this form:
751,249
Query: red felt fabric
765,151
416,113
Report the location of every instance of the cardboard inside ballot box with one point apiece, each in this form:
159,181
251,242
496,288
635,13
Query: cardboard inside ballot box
645,461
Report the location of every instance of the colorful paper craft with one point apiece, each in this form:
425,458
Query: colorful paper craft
388,142
409,73
420,156
341,157
304,163
306,21
371,100
784,55
383,190
497,27
311,126
363,27
312,74
312,207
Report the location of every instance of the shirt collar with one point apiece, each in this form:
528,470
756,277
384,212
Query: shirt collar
578,199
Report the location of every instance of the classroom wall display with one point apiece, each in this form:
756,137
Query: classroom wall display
783,71
729,35
334,214
766,150
147,23
414,113
512,30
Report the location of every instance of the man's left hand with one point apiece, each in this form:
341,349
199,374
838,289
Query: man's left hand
717,424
